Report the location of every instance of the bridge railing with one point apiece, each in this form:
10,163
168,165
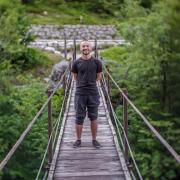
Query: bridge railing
106,78
35,118
54,131
124,143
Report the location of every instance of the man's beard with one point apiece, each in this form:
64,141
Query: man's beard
86,52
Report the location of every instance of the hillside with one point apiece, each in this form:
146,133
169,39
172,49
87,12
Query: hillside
68,12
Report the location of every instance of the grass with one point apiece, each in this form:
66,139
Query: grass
66,13
54,58
114,53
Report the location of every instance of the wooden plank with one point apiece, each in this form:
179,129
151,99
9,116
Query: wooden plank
88,157
85,144
87,139
100,118
101,110
91,175
87,147
71,105
75,166
100,122
110,177
87,123
87,135
87,131
87,128
84,151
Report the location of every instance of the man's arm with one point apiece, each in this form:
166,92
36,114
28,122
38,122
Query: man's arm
75,76
99,70
74,70
98,76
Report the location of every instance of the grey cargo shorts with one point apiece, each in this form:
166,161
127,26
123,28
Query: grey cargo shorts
86,103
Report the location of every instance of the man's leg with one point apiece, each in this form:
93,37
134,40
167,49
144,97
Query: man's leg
78,131
94,133
80,108
94,129
78,128
93,103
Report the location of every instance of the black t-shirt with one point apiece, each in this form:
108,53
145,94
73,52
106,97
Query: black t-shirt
86,75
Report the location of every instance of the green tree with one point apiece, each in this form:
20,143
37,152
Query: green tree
153,66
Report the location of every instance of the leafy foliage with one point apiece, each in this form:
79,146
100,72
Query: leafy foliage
149,68
14,36
16,112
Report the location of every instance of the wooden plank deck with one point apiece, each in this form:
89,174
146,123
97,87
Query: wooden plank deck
86,162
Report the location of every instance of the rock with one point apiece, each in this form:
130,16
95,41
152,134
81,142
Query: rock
45,13
46,80
58,53
57,72
57,32
49,49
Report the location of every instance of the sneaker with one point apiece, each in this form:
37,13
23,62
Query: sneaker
96,144
77,143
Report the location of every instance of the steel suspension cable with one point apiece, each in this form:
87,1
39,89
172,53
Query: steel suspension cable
161,139
126,139
23,135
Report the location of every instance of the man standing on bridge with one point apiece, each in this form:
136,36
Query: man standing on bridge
86,71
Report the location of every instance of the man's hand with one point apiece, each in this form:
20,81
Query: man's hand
98,76
75,76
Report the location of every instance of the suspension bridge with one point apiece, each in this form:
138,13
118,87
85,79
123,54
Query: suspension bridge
111,161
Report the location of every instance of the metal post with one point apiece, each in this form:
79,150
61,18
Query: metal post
65,46
108,87
107,79
95,48
64,83
49,127
74,52
125,118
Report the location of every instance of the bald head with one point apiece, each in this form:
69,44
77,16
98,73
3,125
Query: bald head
85,47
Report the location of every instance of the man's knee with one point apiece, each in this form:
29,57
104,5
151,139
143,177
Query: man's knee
78,122
93,114
93,121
